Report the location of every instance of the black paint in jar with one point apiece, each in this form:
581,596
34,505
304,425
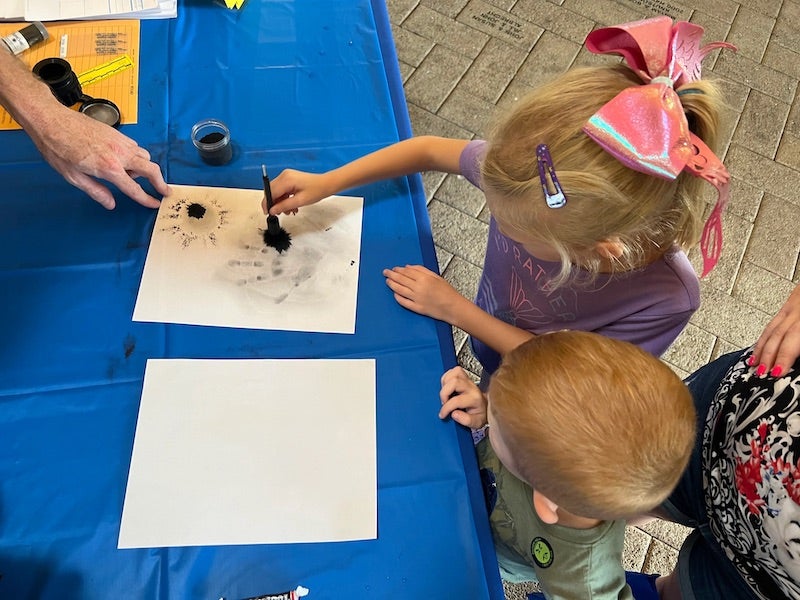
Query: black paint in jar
213,141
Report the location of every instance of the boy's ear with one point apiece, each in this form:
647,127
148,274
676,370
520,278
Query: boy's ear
545,508
609,248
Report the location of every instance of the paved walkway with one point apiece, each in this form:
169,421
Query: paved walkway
461,60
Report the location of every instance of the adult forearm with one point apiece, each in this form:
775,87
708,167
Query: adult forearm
28,99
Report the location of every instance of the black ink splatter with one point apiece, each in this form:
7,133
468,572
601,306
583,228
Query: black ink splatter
129,345
196,210
281,242
194,221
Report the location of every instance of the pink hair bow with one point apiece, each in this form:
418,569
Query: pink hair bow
644,126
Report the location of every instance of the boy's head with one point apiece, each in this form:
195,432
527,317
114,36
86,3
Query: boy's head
605,199
600,427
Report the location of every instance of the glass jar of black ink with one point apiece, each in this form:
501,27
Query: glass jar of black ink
213,141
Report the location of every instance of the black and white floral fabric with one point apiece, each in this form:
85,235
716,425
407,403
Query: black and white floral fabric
751,466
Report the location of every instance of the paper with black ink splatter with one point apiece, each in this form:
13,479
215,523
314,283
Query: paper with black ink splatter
208,265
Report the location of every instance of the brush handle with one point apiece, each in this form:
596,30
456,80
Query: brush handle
267,190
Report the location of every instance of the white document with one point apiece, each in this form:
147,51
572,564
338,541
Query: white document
208,263
252,452
12,10
56,10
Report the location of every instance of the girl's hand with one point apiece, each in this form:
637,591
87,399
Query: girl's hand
423,291
779,344
293,189
461,399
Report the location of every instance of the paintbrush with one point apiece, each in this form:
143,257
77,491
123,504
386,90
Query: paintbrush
275,236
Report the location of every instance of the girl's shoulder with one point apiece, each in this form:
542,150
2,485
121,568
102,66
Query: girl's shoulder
673,266
470,161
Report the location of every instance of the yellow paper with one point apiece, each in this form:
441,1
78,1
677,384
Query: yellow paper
89,45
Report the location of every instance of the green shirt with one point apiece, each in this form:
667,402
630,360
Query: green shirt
570,564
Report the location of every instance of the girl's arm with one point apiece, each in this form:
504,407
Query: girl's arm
293,189
423,291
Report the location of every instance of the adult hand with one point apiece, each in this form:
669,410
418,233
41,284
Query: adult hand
779,344
293,189
423,291
462,400
84,150
77,146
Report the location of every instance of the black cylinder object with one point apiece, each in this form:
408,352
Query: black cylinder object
58,74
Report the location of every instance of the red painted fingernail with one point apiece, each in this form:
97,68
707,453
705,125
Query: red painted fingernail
751,361
761,370
776,371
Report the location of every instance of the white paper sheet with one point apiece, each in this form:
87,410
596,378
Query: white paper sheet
12,9
251,452
214,269
50,10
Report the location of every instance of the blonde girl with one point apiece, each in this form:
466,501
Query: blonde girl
593,184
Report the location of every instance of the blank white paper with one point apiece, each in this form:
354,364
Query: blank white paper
208,265
50,10
252,452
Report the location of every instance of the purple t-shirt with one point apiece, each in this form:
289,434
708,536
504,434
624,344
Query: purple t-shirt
648,307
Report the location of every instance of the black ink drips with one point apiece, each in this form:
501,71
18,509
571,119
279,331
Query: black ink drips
196,210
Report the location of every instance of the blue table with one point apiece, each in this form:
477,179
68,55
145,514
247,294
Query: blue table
307,85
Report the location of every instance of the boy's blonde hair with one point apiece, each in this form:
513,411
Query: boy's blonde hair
597,425
605,199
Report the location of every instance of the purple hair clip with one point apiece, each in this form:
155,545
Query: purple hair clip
553,193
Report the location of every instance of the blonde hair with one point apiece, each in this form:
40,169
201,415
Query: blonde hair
599,426
605,199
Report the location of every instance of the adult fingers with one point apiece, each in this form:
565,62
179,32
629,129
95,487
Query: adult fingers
134,191
95,190
789,350
144,167
780,351
766,338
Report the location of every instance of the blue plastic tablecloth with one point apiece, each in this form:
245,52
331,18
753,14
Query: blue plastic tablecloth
307,85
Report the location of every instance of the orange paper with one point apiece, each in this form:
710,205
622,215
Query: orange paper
87,45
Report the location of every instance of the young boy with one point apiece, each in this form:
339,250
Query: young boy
584,432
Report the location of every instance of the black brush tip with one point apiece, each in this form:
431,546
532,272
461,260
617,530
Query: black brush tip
273,225
280,240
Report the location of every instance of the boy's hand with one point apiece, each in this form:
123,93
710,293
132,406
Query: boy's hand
423,291
293,189
462,400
